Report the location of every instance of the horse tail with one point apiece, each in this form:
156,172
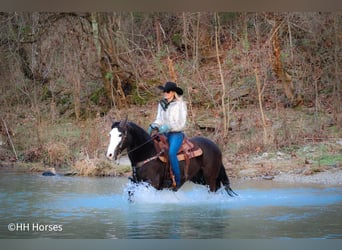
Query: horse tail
225,182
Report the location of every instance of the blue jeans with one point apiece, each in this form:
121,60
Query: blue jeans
175,141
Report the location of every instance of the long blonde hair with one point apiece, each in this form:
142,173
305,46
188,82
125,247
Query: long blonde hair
178,97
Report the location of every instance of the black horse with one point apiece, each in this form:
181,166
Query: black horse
206,169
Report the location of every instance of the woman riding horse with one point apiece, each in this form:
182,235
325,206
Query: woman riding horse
171,120
147,167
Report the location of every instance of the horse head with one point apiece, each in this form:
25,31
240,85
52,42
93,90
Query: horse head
118,138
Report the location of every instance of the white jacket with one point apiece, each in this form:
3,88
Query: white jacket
174,116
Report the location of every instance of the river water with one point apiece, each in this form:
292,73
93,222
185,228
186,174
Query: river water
34,206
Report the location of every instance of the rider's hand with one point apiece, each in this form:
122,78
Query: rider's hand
151,128
164,129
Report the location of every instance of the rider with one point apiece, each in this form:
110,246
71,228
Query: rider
171,120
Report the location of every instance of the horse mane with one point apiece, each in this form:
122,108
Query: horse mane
140,135
140,138
139,132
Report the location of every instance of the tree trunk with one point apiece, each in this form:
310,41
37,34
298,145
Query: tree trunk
76,93
282,76
223,85
337,91
113,76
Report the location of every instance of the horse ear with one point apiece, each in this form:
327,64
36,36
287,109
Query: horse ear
111,120
124,123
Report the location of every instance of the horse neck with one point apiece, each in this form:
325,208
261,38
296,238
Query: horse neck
141,146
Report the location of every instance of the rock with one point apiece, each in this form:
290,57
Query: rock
49,172
70,174
268,177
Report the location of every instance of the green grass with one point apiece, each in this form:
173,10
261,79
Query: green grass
328,160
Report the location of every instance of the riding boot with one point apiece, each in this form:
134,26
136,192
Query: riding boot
177,179
178,183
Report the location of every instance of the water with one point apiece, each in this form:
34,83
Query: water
33,206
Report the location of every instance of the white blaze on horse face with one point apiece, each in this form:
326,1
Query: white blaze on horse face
115,139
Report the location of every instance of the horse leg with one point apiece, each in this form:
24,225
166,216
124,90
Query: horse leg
212,186
225,182
212,172
214,180
211,181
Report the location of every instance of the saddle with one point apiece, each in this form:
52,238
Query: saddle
187,151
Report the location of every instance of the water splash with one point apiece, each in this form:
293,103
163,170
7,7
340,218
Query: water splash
189,194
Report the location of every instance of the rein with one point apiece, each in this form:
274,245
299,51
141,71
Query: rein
140,146
142,163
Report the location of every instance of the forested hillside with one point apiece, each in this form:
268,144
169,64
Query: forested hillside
254,82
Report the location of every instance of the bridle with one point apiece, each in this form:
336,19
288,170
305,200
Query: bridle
119,148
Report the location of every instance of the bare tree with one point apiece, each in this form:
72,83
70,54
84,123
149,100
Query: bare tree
223,84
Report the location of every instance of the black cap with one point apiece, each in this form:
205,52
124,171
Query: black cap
171,86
